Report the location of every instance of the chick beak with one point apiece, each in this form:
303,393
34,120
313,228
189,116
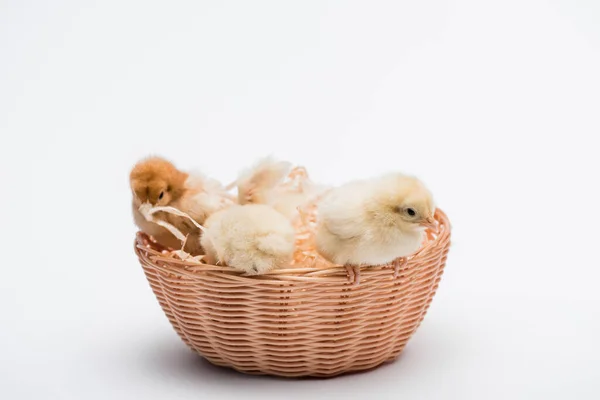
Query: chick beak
429,223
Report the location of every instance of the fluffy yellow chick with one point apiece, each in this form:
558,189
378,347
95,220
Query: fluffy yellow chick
158,182
374,222
252,238
261,184
257,185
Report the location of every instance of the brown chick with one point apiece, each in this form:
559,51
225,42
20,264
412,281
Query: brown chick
374,222
158,182
252,238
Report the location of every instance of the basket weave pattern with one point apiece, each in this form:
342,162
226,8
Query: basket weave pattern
305,320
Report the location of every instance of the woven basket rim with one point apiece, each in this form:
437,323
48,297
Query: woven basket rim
167,263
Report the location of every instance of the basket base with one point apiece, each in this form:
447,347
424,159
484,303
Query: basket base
301,375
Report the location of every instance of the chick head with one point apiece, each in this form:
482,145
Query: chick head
156,181
403,201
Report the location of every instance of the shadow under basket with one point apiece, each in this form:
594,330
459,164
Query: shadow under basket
301,320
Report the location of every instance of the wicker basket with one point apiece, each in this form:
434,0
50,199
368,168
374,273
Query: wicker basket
300,321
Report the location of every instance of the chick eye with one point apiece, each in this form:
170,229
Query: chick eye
160,196
410,212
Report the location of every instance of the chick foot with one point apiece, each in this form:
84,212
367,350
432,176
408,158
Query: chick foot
353,274
398,264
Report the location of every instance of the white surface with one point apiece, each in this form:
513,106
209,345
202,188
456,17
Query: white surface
494,104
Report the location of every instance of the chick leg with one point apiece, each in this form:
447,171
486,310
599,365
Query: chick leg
398,264
353,274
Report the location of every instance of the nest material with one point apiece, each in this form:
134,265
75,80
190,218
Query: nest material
305,319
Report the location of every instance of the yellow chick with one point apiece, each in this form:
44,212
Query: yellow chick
252,238
261,184
158,182
374,222
257,185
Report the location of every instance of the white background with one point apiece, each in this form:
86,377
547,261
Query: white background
495,105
